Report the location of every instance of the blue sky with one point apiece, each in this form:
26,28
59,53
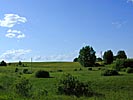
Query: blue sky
55,30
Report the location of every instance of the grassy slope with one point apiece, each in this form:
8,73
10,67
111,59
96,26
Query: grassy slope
113,87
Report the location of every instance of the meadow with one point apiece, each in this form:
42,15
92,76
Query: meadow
109,87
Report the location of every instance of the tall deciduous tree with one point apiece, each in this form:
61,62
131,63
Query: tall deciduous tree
87,56
3,63
108,57
121,55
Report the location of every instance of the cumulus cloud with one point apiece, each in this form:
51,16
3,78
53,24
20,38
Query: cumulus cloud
15,34
15,54
10,20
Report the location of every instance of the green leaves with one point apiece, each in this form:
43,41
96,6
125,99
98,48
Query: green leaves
108,57
87,56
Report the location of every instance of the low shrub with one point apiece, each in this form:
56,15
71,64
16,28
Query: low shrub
89,68
70,85
97,64
129,70
1,87
23,87
80,69
16,70
99,68
123,70
75,70
59,70
128,63
123,63
25,71
108,72
42,74
120,63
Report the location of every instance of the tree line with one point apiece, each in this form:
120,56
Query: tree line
87,56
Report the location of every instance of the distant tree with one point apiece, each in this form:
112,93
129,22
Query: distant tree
3,63
108,57
20,63
87,56
99,59
75,60
121,55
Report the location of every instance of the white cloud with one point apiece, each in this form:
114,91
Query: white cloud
15,54
118,24
63,57
15,34
10,35
129,1
11,19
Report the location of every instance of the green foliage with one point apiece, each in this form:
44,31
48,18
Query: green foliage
42,74
108,72
59,70
129,70
19,63
40,94
70,85
3,63
75,70
87,56
120,63
80,69
128,63
75,60
113,87
25,71
108,57
16,69
121,55
99,59
23,87
123,63
89,68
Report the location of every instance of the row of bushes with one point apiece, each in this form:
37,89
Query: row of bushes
112,72
124,63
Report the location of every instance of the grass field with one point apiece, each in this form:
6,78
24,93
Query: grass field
111,87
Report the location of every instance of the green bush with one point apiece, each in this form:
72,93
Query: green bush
89,68
123,70
128,63
42,74
129,70
119,64
25,71
108,72
16,70
99,68
80,69
70,85
123,63
75,70
59,70
23,87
